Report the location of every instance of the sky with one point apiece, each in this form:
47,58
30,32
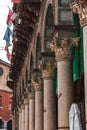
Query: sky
3,26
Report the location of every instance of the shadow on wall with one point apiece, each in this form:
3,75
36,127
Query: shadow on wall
9,125
1,124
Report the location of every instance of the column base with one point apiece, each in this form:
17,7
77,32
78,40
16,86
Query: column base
63,128
86,125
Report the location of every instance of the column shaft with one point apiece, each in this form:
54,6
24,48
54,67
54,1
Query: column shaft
85,69
49,105
23,118
13,122
31,114
38,110
20,119
26,116
65,88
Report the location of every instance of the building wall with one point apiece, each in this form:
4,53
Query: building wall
5,94
5,109
39,30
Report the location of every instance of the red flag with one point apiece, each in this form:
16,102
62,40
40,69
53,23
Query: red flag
10,18
6,48
8,53
8,56
16,1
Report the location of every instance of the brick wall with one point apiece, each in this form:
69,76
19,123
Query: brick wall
5,109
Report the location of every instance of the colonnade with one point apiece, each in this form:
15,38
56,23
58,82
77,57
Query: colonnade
38,108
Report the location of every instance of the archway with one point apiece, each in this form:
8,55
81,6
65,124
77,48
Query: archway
31,65
49,23
38,51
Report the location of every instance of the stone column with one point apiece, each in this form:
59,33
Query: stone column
80,8
31,110
13,120
26,103
63,53
37,83
16,118
20,119
23,117
47,68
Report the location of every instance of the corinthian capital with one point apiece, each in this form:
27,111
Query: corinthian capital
37,83
47,68
37,80
80,7
31,95
48,65
63,47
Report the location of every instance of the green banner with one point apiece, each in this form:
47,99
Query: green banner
81,52
75,58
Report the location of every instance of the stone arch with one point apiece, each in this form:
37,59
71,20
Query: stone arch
26,75
36,38
55,5
43,20
38,50
22,84
31,64
49,23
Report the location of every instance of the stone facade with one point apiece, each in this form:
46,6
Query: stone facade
5,95
51,59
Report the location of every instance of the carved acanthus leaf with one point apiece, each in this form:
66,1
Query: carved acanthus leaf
48,68
63,47
80,7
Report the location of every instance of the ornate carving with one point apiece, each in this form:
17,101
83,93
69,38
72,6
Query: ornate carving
37,80
31,95
63,47
37,83
16,108
22,106
19,103
80,7
22,99
30,89
20,110
26,101
48,68
26,93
